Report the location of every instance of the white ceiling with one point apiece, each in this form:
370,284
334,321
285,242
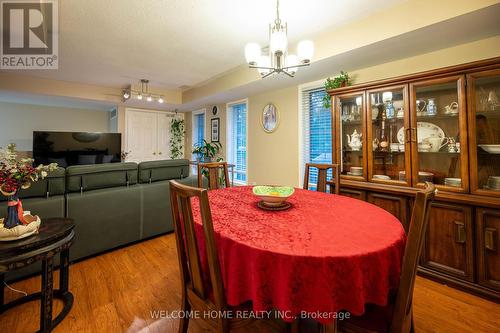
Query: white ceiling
180,43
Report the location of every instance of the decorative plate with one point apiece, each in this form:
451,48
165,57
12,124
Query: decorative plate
492,149
424,131
283,206
273,195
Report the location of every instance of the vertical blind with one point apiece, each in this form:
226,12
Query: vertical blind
237,140
317,131
199,129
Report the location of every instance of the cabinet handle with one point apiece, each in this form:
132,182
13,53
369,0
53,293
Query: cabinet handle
413,135
408,135
490,237
459,232
154,153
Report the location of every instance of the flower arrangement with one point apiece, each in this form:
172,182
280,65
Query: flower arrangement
16,175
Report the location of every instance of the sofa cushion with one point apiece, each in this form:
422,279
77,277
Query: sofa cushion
51,185
155,171
99,176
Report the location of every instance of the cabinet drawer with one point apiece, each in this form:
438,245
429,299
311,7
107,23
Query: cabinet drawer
356,194
448,246
488,253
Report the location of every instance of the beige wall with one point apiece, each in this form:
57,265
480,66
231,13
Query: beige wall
18,121
274,158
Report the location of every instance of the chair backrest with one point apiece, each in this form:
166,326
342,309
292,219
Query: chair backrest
334,183
402,316
192,274
213,174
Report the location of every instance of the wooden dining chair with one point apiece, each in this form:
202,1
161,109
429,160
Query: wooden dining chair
334,183
397,316
196,295
213,174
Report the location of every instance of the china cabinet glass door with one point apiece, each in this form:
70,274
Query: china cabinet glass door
484,129
350,135
439,133
388,148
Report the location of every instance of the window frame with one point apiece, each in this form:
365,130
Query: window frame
319,84
229,126
194,126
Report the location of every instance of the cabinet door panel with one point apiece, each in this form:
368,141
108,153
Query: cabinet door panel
488,227
396,205
448,244
356,194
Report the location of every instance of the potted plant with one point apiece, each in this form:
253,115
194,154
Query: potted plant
206,152
177,138
14,176
342,80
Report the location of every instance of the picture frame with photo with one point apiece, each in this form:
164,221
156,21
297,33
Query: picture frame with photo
215,130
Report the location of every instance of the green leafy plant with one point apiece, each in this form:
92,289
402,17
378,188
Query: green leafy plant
342,80
207,151
177,131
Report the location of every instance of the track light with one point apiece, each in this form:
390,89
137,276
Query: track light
160,100
144,93
139,97
149,98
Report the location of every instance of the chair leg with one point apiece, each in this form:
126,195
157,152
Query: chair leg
184,321
293,327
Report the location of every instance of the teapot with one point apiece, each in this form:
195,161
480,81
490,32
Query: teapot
354,141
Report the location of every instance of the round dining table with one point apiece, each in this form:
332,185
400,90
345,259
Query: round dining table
326,253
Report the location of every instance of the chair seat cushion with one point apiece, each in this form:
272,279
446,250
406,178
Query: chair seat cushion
376,318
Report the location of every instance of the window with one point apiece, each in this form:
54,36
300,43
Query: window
198,127
237,139
316,133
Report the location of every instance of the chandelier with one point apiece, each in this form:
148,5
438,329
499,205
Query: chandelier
278,60
144,93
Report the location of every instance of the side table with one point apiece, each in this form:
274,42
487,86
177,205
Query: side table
55,236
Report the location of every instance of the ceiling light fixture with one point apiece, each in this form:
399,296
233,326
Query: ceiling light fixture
278,60
128,92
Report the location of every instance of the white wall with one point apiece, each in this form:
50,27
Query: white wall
18,121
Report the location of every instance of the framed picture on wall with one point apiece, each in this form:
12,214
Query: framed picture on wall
215,129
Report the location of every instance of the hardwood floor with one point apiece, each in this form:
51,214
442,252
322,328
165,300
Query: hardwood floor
120,290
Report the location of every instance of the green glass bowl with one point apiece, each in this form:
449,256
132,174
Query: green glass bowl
273,195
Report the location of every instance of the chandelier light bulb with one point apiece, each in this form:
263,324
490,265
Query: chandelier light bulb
305,51
279,41
252,53
139,97
264,61
126,95
149,98
292,60
161,100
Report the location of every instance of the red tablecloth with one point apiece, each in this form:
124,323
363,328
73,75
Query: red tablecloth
325,254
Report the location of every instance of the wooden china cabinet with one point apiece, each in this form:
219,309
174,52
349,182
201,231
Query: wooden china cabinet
391,136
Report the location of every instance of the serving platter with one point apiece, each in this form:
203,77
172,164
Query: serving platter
424,130
492,149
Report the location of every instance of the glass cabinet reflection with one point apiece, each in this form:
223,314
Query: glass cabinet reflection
485,94
439,133
351,129
388,149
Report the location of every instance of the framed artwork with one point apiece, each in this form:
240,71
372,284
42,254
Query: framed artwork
270,118
215,129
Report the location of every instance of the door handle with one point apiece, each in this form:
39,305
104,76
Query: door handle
159,153
460,235
154,153
490,239
408,135
413,135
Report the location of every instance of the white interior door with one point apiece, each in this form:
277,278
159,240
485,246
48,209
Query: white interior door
163,128
142,138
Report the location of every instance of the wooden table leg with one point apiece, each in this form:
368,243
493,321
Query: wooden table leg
64,271
330,328
46,295
2,286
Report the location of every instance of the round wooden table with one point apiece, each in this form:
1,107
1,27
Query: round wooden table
326,254
55,236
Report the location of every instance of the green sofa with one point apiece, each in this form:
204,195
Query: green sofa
112,204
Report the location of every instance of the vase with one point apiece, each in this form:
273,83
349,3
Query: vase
14,212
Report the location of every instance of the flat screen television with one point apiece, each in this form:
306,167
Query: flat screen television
76,148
